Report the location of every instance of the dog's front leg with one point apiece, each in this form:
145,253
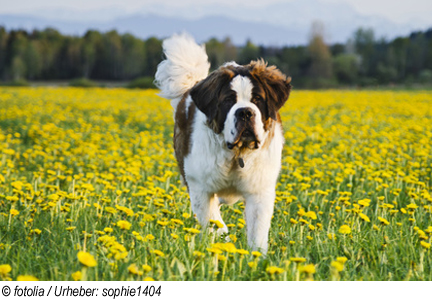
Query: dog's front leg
258,213
206,208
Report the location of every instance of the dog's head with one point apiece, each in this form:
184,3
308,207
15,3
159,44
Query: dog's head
241,102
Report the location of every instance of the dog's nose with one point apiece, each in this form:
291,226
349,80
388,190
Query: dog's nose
244,113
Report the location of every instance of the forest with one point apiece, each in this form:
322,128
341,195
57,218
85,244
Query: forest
364,60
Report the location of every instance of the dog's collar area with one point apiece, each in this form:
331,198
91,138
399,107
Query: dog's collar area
230,145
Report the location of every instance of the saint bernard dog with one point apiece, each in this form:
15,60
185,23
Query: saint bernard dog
228,135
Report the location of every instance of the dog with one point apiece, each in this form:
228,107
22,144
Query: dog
228,135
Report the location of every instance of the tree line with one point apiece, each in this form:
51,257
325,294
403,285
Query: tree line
363,60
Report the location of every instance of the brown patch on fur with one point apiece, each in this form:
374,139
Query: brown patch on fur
275,84
183,132
210,96
270,126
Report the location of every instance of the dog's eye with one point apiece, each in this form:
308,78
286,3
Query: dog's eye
229,100
257,98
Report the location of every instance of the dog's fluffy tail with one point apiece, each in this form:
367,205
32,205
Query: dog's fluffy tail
186,63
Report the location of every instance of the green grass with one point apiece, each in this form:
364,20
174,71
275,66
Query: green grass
74,162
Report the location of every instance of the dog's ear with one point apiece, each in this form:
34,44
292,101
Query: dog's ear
275,84
206,94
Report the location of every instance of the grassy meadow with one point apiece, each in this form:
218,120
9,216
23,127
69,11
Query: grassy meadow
90,190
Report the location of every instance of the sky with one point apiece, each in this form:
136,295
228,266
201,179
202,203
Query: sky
395,10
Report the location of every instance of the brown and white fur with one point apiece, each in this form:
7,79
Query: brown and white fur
228,135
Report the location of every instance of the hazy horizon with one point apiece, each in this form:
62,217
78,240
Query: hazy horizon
274,22
396,11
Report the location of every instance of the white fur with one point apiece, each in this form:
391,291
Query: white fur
211,169
243,88
186,64
210,175
231,63
188,103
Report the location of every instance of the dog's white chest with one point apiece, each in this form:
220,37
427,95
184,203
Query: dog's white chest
214,166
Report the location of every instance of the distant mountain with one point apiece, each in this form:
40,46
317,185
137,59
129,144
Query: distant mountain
274,24
152,25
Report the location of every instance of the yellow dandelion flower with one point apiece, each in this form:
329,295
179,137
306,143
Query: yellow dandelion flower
227,247
232,237
312,215
425,245
297,259
191,230
26,278
124,225
133,269
309,269
301,220
217,223
412,206
274,270
256,254
120,255
337,265
149,237
5,269
331,236
162,223
177,221
383,221
214,250
86,259
108,229
222,258
364,217
159,253
77,275
345,229
148,279
364,202
14,212
198,254
110,210
242,252
341,259
146,268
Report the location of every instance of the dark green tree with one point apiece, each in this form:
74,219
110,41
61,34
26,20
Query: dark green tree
249,52
153,50
320,69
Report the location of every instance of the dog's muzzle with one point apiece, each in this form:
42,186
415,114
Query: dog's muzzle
246,136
